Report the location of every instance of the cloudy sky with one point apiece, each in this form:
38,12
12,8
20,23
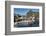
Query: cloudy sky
23,11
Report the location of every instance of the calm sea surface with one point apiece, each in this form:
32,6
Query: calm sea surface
24,24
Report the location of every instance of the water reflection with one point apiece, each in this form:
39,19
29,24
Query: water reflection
25,24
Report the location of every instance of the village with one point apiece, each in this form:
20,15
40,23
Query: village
23,21
31,19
